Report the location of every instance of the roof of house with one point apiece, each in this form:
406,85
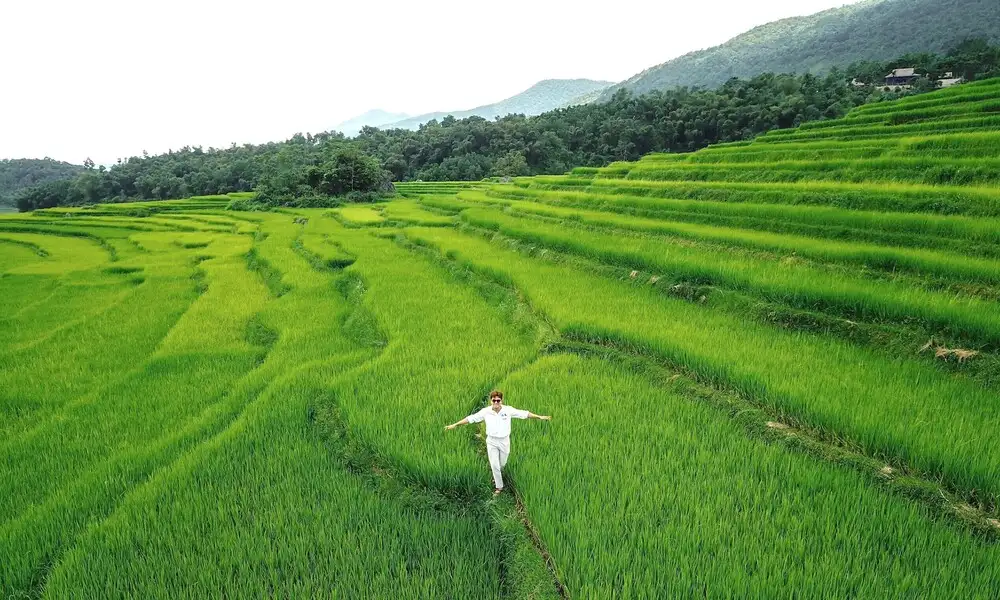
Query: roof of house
903,73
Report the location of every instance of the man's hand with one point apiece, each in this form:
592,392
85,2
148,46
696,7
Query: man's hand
449,427
545,417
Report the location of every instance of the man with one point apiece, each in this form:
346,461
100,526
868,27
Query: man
497,417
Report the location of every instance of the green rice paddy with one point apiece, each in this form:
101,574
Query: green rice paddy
773,369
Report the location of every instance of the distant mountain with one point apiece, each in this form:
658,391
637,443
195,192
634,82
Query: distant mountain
585,98
542,97
19,173
373,118
869,30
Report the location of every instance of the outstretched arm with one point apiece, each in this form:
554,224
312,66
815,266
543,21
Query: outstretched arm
476,417
454,425
532,415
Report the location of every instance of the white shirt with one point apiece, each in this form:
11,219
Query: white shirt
497,422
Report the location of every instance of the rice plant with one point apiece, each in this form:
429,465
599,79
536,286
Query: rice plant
204,402
697,508
951,266
359,215
971,235
891,408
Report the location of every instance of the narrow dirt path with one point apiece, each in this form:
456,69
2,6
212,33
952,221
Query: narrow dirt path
540,547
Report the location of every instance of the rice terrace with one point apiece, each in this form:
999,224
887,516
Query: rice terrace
773,368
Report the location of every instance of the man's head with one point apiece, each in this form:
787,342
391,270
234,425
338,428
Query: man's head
496,399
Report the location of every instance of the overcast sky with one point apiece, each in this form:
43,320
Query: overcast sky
110,78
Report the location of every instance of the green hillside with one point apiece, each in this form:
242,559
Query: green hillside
868,30
17,174
772,367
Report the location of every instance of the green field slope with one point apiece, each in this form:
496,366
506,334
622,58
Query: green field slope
773,369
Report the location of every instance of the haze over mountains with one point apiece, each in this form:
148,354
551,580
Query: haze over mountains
869,30
373,118
544,96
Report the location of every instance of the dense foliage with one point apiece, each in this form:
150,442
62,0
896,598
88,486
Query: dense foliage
19,173
624,128
871,30
286,172
972,59
306,177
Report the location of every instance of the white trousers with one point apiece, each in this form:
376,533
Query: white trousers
498,449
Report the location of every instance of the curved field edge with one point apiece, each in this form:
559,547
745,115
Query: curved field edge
94,572
753,419
685,334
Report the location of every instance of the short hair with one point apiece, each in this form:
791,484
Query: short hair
496,394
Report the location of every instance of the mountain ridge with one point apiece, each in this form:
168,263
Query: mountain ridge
867,30
372,118
546,95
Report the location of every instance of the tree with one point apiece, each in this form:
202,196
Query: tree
351,171
924,84
973,59
512,164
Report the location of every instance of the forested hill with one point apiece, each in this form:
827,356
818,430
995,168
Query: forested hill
625,128
595,134
869,30
16,174
542,97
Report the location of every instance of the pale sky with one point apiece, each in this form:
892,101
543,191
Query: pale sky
111,78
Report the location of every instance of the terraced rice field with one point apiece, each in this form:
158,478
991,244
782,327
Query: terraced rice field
772,368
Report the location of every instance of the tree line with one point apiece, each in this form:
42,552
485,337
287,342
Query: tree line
305,169
21,173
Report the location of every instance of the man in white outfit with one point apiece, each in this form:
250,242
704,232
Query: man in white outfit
497,417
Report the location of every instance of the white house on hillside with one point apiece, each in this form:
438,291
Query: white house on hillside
949,79
902,79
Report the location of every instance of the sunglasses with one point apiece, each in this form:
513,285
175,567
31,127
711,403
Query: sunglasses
496,399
